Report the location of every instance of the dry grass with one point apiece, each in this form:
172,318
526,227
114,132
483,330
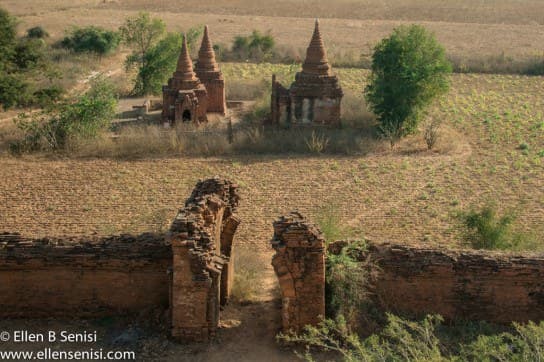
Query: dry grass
462,11
249,273
501,35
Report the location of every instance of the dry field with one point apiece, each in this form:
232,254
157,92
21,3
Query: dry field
408,196
497,32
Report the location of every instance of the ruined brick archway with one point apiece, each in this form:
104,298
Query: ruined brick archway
202,271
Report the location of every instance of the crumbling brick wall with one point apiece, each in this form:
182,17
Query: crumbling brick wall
299,263
201,237
468,284
82,276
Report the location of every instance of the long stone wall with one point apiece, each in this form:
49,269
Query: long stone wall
82,277
468,284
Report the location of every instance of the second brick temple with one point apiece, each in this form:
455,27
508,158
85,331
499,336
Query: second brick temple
315,95
191,95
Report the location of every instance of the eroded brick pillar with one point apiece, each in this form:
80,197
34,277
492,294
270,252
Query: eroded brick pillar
299,263
201,237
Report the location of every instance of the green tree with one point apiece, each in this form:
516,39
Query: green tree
91,39
8,31
160,61
409,71
256,46
141,32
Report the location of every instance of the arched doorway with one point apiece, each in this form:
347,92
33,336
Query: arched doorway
186,116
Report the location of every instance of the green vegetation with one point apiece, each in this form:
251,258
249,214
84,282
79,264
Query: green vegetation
405,340
91,39
158,64
409,71
37,32
155,52
54,127
485,229
24,70
329,223
247,276
160,61
347,278
255,47
141,33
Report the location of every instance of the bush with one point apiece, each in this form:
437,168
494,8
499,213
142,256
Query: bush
409,70
46,96
431,132
485,229
91,39
29,54
37,32
347,279
525,344
8,31
23,65
400,340
13,90
405,340
255,47
83,118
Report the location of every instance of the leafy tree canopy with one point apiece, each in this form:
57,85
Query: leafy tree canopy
409,71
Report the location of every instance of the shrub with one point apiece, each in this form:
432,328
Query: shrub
29,54
255,47
328,219
83,118
409,70
485,229
525,344
347,280
431,132
8,31
45,96
317,143
13,90
37,32
400,340
405,340
91,39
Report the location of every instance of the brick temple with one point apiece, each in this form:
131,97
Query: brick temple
191,94
315,95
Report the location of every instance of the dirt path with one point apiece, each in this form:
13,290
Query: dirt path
247,332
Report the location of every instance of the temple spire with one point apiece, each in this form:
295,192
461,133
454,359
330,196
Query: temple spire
206,55
184,69
316,57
